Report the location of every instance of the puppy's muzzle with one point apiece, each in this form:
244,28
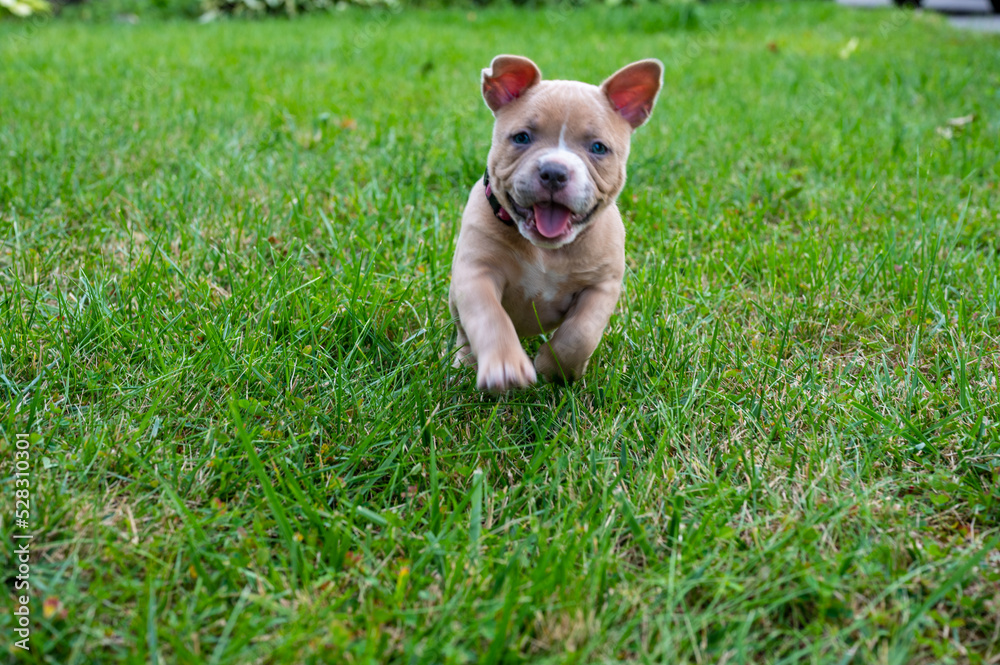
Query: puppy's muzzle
553,176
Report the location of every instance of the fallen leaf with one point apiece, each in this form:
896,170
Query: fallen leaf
963,121
53,607
849,48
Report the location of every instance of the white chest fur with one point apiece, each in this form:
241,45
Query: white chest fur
539,284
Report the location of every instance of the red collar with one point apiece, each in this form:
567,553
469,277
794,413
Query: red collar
498,210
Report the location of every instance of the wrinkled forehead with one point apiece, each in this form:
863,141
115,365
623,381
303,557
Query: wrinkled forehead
551,105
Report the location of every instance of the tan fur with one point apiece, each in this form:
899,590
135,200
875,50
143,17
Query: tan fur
511,282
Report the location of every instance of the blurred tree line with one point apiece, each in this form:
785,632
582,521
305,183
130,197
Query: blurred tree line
205,10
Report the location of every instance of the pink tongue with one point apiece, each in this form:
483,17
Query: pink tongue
552,220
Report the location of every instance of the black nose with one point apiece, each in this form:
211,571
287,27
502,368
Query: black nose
553,175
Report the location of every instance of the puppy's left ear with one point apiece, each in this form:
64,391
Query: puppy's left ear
506,79
632,90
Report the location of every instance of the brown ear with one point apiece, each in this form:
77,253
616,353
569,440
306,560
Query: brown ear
507,77
632,90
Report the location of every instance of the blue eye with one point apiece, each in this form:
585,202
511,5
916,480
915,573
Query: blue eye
598,148
521,138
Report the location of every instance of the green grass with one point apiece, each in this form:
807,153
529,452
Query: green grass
226,254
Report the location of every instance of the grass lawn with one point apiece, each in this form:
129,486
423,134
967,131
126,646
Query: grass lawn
223,323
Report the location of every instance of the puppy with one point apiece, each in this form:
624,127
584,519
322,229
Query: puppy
541,246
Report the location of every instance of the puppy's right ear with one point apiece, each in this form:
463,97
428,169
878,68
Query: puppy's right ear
633,89
507,78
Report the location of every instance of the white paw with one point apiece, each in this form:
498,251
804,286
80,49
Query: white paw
499,373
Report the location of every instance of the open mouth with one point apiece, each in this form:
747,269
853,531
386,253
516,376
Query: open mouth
550,219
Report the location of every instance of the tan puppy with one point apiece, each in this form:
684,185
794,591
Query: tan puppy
542,242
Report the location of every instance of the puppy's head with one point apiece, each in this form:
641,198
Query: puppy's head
560,147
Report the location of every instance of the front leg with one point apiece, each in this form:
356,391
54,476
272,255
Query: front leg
486,334
565,356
